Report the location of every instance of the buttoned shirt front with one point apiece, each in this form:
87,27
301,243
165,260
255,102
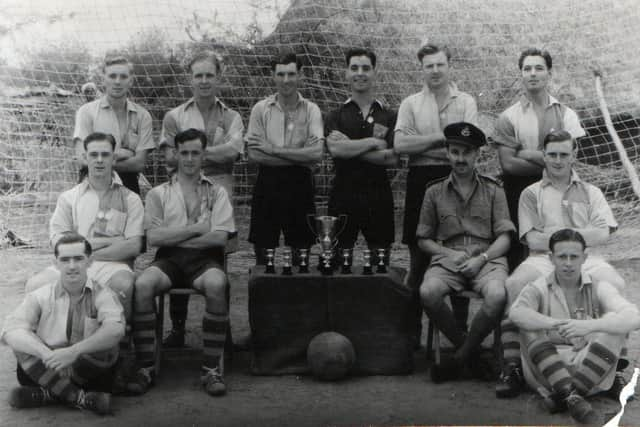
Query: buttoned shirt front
518,126
118,212
224,126
582,206
419,114
166,207
545,296
447,216
378,123
99,116
48,313
269,122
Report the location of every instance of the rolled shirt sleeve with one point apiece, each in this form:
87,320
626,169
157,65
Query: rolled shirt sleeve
256,126
405,121
505,132
222,212
470,109
135,216
572,124
315,124
428,223
153,212
529,297
601,214
501,220
610,299
109,307
24,317
528,218
62,218
235,132
83,123
169,130
145,131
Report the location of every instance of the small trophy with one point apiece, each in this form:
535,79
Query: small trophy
303,267
271,269
381,267
346,261
366,269
327,269
286,266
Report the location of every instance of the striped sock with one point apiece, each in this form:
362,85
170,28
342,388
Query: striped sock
510,338
144,337
214,334
49,379
125,341
546,359
595,366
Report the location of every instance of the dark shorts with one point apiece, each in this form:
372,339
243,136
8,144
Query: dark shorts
368,208
184,265
282,198
417,180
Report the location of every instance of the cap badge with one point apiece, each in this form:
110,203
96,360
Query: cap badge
465,131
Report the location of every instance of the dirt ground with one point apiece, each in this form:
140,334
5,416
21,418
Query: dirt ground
178,400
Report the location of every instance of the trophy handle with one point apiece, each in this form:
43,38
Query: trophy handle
311,218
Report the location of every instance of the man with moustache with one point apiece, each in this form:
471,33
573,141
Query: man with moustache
572,329
418,133
285,138
224,129
360,139
129,123
465,228
65,336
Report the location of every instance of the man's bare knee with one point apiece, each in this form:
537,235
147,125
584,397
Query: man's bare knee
432,291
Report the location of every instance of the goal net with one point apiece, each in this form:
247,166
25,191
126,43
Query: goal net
51,51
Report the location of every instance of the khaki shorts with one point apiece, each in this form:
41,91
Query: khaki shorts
490,272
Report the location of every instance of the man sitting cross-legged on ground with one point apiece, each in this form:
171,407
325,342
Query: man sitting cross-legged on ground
572,329
65,335
189,218
465,228
560,200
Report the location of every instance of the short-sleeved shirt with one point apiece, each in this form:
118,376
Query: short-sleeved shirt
269,122
581,205
348,119
223,127
118,212
48,313
419,115
545,296
99,116
446,215
166,207
518,126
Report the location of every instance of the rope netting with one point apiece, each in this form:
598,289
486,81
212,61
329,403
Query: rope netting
49,50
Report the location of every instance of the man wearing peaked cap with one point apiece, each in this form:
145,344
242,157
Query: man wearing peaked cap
465,228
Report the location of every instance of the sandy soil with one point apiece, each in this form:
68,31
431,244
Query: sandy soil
177,400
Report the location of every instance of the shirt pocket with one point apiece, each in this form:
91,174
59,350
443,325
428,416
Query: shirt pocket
480,219
579,214
449,225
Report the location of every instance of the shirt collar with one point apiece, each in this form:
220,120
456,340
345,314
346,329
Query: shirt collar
203,178
192,101
375,101
585,280
59,290
453,90
575,178
104,103
273,99
115,182
450,181
526,102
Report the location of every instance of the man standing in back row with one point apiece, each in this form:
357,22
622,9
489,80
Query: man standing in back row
285,138
360,139
421,120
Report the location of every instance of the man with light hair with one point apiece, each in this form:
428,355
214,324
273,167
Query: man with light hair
419,134
224,130
114,114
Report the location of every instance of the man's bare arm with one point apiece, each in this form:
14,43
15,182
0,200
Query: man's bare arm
385,157
27,341
211,239
414,144
122,250
134,163
514,165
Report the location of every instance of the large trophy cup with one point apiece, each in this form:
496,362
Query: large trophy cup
327,229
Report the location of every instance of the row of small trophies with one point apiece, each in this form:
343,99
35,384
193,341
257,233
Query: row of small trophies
325,264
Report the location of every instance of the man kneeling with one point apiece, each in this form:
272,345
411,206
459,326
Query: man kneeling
189,218
572,330
65,335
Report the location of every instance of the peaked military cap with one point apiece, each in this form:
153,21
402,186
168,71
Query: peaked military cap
465,133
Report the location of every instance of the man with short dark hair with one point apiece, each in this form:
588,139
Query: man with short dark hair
285,138
224,129
360,139
129,123
465,228
65,336
559,200
189,219
572,330
418,133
